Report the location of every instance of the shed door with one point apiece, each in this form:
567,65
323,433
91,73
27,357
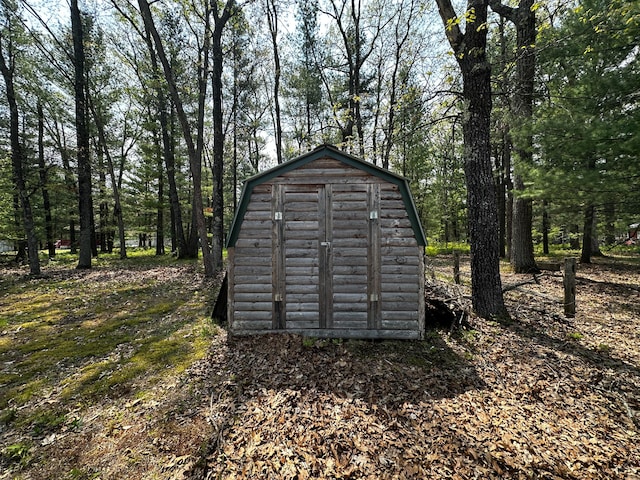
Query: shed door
327,249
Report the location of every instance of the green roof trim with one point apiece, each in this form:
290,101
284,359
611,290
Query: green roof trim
325,151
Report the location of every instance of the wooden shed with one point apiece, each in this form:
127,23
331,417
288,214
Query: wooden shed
326,245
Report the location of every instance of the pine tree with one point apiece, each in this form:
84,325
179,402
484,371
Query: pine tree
587,126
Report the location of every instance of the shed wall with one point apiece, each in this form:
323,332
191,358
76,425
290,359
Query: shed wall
327,250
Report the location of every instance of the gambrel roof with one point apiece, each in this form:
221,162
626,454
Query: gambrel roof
326,151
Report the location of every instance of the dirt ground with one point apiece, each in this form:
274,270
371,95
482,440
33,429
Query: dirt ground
538,396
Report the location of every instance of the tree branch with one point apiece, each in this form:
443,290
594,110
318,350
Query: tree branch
505,11
452,29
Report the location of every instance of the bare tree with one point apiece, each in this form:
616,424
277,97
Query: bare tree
404,17
271,9
348,18
211,264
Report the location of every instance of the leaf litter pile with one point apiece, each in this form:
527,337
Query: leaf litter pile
536,396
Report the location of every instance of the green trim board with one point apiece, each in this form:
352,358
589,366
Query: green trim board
325,151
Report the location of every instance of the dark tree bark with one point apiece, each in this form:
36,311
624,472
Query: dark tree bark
587,232
18,160
470,51
44,185
220,20
524,19
82,135
160,211
595,241
503,165
589,223
522,259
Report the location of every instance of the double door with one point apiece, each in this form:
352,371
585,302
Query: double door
326,256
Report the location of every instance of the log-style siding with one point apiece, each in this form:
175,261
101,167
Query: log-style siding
327,249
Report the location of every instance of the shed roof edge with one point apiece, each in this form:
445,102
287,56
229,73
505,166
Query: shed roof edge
320,152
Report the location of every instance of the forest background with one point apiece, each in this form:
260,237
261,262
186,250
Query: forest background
130,123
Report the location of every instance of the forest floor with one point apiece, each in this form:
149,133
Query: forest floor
118,373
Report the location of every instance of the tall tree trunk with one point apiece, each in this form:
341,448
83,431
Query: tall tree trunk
17,156
522,260
46,201
587,232
470,51
595,242
220,20
356,55
589,222
82,135
163,106
117,208
234,115
70,184
523,17
272,20
195,161
103,208
503,155
501,197
401,37
160,209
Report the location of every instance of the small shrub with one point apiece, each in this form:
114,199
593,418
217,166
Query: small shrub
17,453
436,248
47,421
575,336
209,330
77,474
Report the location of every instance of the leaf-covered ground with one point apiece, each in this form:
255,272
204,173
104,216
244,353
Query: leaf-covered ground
536,396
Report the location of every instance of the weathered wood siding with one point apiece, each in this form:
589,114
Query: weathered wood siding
327,249
250,271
